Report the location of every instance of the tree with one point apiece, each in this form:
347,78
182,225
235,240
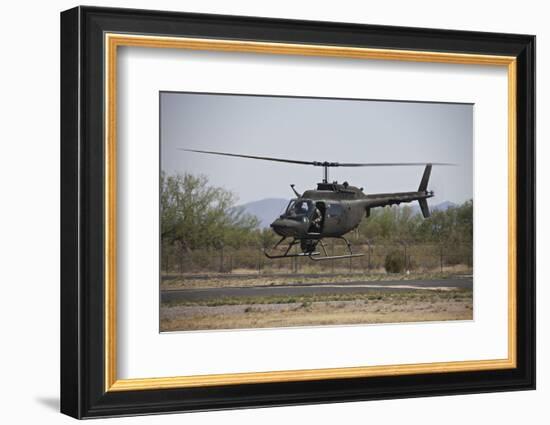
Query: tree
266,238
196,215
454,226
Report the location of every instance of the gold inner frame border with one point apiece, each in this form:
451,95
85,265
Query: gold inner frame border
111,43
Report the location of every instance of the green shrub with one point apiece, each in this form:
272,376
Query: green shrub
394,262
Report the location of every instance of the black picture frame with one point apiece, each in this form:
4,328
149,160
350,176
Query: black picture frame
83,392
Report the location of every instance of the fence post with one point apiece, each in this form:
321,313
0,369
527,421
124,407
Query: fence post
368,252
332,254
441,259
404,243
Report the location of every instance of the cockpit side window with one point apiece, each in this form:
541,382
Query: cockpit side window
335,210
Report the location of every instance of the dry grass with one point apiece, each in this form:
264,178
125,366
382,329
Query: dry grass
175,281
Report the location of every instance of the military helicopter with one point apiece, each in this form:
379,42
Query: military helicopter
333,209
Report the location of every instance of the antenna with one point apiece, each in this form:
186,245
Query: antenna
294,190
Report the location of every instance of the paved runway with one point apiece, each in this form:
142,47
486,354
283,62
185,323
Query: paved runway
359,287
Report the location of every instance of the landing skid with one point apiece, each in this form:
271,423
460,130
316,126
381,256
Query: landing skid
287,252
300,254
336,257
312,255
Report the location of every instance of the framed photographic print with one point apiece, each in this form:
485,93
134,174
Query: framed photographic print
261,212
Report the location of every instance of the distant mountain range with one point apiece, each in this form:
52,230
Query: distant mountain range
267,210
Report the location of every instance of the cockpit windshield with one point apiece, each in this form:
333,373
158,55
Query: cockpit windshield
299,207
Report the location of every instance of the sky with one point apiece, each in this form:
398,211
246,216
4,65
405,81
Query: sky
317,129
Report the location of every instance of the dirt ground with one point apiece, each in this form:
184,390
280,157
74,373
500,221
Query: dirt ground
269,312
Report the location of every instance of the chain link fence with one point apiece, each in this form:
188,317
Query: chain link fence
412,258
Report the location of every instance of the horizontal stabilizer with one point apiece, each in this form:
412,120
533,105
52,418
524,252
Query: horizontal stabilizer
424,208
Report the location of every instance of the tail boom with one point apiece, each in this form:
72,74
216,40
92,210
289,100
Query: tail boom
383,199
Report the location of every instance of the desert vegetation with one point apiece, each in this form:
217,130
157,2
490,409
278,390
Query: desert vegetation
203,231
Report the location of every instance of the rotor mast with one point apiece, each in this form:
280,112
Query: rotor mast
325,165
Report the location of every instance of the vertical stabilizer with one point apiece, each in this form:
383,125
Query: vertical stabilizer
425,179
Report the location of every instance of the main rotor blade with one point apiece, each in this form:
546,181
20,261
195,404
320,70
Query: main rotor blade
264,158
319,163
388,164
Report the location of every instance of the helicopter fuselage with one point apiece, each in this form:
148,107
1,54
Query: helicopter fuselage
333,209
